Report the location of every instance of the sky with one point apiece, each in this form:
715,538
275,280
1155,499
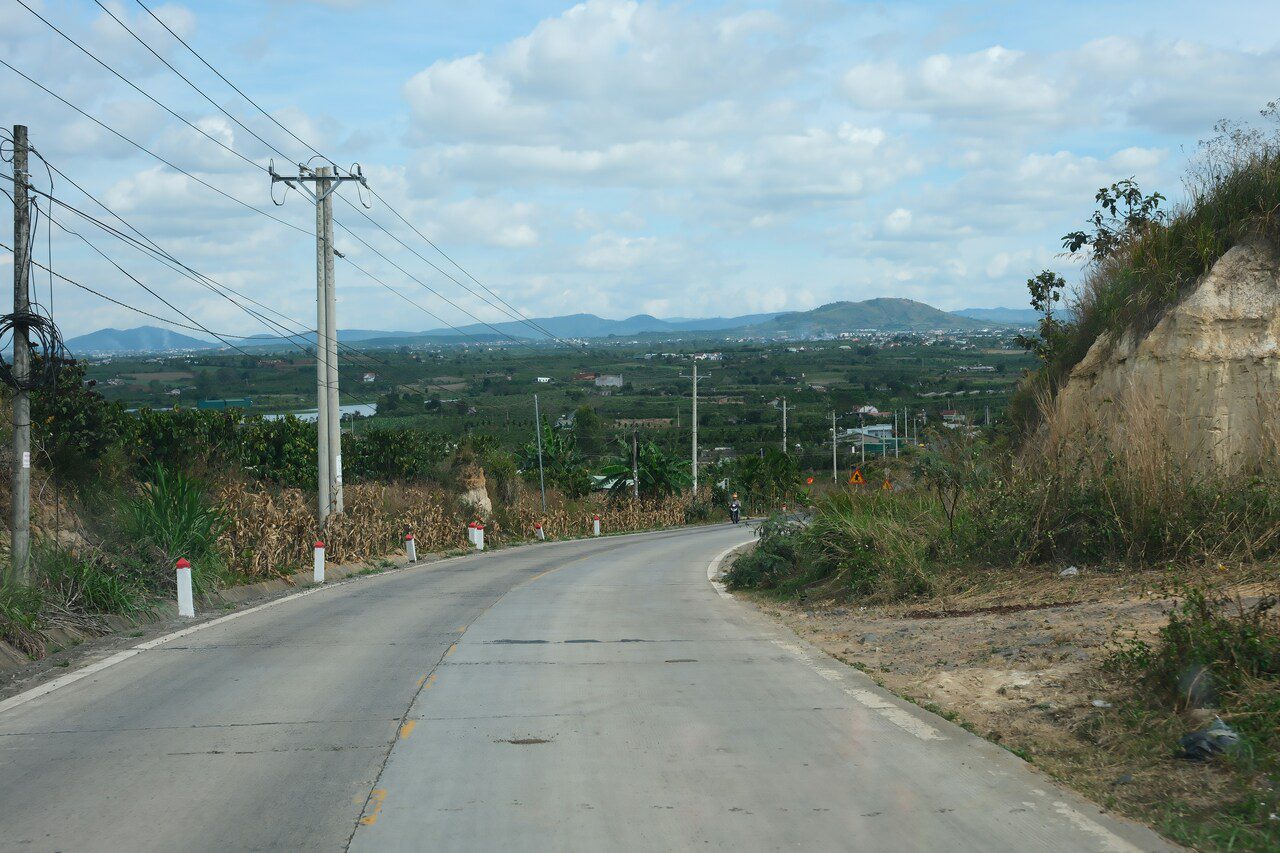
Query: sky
681,159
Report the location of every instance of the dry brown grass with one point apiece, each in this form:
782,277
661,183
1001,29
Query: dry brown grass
273,530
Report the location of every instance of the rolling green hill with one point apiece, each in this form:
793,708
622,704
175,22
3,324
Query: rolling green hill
885,314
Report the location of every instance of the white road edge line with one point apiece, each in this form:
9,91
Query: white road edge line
899,717
97,666
908,722
713,568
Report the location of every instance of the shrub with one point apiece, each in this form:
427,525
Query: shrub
20,618
774,559
175,518
92,584
1209,652
380,454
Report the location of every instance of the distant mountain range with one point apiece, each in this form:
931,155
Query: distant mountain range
142,339
886,314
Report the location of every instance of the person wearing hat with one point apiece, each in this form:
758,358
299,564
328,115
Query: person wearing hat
735,508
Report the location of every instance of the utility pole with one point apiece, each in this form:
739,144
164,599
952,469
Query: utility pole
21,488
895,433
695,430
537,433
784,424
328,421
834,477
331,346
635,467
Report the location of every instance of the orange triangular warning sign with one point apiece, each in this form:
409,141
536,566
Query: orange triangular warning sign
886,485
857,479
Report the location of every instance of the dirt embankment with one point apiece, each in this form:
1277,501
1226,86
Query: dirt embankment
1021,664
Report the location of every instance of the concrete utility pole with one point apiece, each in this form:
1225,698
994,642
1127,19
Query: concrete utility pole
21,487
895,434
834,477
784,424
331,346
537,434
328,413
695,430
635,467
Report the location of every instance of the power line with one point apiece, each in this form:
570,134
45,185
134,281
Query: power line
219,191
517,315
250,207
237,89
138,88
360,357
151,153
533,323
170,66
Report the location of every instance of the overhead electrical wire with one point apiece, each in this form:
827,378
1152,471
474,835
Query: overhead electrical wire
517,315
169,258
154,250
230,149
247,205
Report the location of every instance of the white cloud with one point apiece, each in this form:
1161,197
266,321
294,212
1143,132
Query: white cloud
609,251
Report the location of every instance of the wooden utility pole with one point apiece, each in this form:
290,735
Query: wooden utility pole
20,526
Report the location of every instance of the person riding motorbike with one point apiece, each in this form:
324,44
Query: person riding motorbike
735,508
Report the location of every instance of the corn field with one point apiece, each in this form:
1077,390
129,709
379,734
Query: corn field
273,531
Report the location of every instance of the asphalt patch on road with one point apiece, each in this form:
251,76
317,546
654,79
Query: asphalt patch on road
524,741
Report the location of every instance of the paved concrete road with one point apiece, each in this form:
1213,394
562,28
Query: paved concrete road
587,696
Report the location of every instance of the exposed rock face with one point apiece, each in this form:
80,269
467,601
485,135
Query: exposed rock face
1204,381
474,492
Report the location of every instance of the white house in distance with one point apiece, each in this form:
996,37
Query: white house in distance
542,380
609,380
369,377
867,410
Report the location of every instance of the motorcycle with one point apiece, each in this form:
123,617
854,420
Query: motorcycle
734,514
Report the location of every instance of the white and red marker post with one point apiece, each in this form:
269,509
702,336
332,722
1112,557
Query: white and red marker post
538,531
471,533
317,566
595,525
479,536
186,602
411,548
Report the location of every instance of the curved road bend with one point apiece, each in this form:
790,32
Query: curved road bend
585,696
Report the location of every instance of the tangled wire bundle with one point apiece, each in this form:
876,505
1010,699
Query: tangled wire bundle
47,350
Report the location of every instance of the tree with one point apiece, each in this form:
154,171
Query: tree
1123,213
588,431
561,463
659,474
1046,292
73,426
951,466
